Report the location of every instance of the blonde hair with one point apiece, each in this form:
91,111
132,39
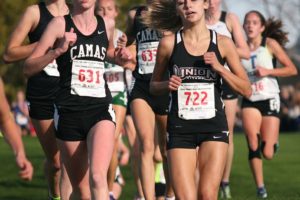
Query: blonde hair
162,16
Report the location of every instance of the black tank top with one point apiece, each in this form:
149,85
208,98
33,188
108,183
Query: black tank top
146,46
41,87
197,106
82,83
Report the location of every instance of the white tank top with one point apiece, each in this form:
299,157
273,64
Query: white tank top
262,87
220,27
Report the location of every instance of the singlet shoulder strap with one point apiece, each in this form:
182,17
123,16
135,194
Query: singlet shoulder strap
213,37
263,41
223,16
178,38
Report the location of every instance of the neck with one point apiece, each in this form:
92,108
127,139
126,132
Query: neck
57,8
212,15
196,31
254,42
84,18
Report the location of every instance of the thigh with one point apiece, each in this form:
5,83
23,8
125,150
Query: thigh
230,110
120,117
46,134
144,120
252,120
130,130
212,157
270,129
75,159
161,124
182,165
100,142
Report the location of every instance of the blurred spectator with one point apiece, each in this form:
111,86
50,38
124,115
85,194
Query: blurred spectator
21,113
290,108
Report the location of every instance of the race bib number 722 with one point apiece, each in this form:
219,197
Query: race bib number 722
196,101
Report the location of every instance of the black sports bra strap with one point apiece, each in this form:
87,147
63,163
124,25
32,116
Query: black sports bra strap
223,16
263,41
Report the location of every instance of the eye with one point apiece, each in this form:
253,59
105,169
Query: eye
179,3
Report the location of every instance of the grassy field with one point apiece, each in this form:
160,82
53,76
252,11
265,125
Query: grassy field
282,174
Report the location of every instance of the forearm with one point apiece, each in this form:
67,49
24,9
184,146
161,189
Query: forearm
12,134
283,72
18,53
35,65
240,85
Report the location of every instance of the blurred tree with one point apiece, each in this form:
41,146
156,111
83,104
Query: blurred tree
11,11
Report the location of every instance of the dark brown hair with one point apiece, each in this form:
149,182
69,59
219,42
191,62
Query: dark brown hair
273,28
162,16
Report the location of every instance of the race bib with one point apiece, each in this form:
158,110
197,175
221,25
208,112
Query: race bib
87,78
275,104
115,81
196,101
147,57
114,75
51,69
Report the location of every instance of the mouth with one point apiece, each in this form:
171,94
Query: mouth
189,13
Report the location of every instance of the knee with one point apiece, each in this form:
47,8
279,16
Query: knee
147,147
98,179
267,150
207,195
53,165
185,196
80,193
254,147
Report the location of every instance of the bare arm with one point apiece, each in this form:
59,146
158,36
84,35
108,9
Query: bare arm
44,53
158,85
236,29
288,68
15,49
12,134
236,77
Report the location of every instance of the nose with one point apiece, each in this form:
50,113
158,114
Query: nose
188,3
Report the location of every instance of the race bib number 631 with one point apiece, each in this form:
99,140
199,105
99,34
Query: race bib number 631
196,101
87,78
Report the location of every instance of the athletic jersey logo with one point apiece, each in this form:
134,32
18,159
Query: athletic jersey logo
195,73
148,35
100,32
88,50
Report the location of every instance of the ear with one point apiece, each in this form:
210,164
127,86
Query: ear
205,4
262,28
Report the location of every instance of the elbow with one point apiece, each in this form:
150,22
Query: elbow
246,55
294,71
6,58
26,71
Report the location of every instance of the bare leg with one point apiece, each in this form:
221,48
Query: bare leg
144,121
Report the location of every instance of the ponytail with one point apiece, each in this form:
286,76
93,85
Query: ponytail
162,16
273,29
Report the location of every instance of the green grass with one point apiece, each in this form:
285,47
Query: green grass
282,174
